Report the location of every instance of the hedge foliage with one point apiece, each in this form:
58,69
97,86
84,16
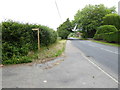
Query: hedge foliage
108,33
106,29
109,37
18,39
112,19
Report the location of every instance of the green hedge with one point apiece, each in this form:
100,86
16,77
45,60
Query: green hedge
112,19
107,33
18,39
106,29
109,37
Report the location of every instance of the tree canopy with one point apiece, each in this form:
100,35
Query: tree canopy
65,29
91,17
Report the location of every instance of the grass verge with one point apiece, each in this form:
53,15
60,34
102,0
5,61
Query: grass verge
52,51
106,43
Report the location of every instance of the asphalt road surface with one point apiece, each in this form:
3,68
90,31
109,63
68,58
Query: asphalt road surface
103,55
85,64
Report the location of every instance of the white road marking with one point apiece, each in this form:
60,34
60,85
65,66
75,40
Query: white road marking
115,80
100,68
109,51
103,49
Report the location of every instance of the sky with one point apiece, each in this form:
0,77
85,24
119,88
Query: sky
45,12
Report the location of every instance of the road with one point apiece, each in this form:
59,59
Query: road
103,55
73,70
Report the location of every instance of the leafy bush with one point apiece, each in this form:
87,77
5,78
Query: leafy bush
112,19
98,36
106,29
63,33
18,60
112,37
47,36
18,39
109,35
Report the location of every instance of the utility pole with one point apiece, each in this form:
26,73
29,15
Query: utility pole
58,10
119,7
37,29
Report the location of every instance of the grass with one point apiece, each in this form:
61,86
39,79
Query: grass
52,51
106,43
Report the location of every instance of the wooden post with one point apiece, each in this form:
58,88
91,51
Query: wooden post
37,29
38,40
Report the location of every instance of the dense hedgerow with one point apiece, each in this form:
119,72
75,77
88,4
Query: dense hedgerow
112,37
18,39
112,19
106,29
108,33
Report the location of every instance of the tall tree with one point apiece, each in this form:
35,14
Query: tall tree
91,17
65,29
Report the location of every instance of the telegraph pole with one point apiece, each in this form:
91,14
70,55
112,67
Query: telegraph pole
119,7
37,29
58,10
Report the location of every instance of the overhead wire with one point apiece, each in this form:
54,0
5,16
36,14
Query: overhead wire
58,10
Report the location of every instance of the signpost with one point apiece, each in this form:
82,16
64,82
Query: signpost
37,29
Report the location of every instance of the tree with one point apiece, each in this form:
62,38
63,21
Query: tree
65,29
112,19
91,17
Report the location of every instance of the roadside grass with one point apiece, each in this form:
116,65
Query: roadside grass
45,54
107,43
52,51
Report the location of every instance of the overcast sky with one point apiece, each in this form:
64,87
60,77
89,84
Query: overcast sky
44,12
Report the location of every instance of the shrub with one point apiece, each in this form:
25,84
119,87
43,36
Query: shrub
18,39
112,36
98,36
63,33
112,19
18,60
106,29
